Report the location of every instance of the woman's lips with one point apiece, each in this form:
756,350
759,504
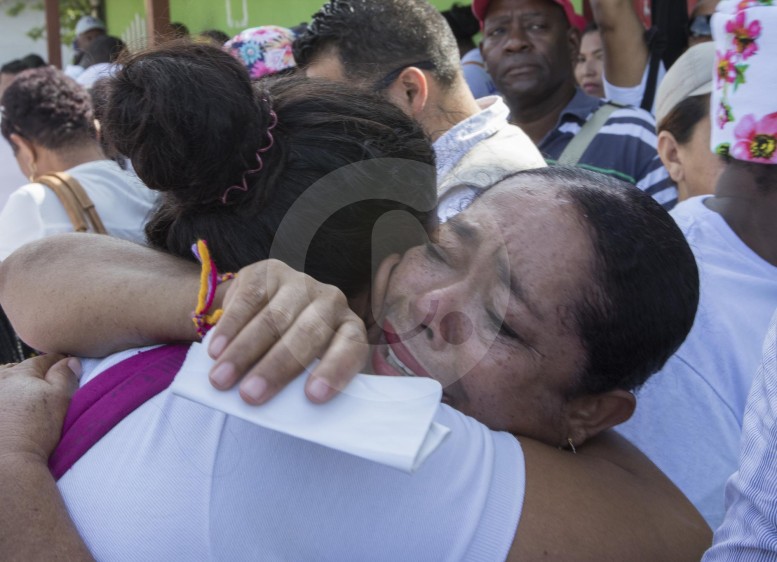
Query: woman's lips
401,353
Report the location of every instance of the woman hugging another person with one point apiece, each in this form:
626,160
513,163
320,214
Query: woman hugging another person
539,309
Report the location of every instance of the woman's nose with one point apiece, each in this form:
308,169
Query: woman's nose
443,315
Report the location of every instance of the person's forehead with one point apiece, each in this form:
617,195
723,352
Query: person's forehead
521,207
512,194
500,8
592,39
537,232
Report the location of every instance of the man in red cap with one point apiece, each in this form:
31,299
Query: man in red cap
529,47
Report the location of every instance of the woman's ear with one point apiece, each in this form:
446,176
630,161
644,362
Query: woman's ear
26,155
669,152
410,91
591,414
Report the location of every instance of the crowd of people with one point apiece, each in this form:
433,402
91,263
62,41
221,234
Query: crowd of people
568,228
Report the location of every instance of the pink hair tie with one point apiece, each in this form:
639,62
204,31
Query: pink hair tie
243,186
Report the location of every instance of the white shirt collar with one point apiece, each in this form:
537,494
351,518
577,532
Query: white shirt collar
459,139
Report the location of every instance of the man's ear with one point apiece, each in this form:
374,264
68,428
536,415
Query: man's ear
589,415
669,152
410,91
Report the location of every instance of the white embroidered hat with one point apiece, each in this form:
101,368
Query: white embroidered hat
744,106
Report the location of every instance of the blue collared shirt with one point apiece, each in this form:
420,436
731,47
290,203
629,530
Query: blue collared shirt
625,146
749,530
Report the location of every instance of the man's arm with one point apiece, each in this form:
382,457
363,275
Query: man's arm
34,522
623,39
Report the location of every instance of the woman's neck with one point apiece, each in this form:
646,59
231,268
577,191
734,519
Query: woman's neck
61,160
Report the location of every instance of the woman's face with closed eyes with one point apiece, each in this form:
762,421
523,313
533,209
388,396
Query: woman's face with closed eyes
488,310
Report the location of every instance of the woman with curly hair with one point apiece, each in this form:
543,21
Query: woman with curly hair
49,122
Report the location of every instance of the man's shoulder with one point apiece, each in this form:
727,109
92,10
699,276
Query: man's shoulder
631,114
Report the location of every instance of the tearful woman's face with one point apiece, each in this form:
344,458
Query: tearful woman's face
487,310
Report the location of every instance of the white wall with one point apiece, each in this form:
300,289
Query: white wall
14,42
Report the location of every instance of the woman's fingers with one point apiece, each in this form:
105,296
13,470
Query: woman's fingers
345,357
277,321
264,327
246,297
322,329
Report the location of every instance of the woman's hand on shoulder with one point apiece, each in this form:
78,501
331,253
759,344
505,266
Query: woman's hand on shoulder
34,397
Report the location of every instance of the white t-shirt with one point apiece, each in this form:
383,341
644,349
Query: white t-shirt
34,211
689,415
632,95
176,480
749,531
11,176
96,72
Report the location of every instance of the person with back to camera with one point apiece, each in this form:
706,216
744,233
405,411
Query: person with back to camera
545,352
10,176
690,416
683,123
48,120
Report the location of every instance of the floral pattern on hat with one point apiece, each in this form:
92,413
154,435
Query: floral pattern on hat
756,139
727,69
752,3
744,126
745,35
725,115
263,50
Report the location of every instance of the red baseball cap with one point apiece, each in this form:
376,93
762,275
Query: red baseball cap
480,7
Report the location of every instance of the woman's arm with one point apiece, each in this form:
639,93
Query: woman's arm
34,522
623,39
93,295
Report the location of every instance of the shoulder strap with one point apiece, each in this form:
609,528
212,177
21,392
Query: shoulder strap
12,349
576,147
656,43
78,205
99,405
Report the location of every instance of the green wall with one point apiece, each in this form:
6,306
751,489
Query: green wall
126,16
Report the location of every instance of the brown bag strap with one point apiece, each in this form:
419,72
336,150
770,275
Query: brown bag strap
77,203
